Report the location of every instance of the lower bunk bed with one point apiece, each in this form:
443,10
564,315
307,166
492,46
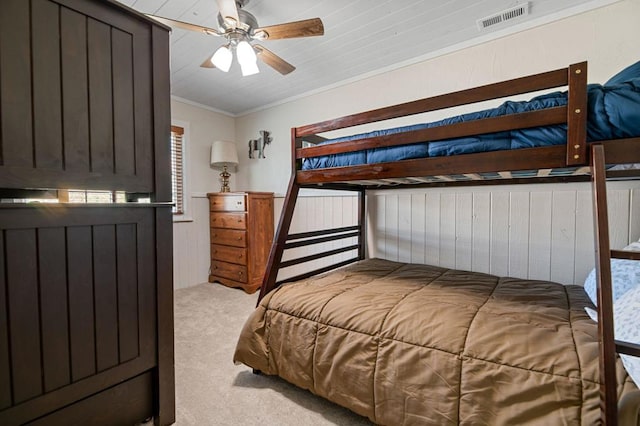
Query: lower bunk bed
417,344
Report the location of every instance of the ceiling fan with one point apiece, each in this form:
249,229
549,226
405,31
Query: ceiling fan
240,28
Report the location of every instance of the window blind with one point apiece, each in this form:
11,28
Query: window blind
177,177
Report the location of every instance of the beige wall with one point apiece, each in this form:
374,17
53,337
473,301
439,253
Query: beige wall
606,37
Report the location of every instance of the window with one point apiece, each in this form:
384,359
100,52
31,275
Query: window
82,196
177,176
74,196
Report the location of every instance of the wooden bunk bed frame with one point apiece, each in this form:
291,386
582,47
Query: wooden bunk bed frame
588,164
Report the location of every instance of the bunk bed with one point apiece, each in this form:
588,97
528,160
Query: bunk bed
417,344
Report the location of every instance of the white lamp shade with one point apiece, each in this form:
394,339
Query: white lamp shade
224,154
245,53
222,58
249,69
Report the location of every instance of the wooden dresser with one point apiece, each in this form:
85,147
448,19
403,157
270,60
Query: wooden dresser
241,236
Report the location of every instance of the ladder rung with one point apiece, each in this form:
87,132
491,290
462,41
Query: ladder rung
628,348
624,254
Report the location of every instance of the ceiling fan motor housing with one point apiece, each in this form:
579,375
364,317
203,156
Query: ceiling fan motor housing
247,22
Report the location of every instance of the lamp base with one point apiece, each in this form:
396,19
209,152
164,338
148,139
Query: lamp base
225,180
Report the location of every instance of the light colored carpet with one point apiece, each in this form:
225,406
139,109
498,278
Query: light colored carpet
211,390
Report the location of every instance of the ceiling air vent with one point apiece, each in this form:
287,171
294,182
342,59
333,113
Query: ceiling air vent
505,15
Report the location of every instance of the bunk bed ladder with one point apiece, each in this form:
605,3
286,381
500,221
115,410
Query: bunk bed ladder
608,345
284,241
277,248
607,358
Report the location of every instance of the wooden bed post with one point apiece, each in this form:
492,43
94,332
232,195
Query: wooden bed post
362,241
275,255
282,233
577,115
607,352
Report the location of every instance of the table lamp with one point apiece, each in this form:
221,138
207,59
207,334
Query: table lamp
223,155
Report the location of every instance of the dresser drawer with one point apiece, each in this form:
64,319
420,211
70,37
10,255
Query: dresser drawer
229,220
228,203
229,237
229,270
229,254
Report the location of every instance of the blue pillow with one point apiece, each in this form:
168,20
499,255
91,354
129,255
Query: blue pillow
629,73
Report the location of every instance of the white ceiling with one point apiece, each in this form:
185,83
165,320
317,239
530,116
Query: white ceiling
361,37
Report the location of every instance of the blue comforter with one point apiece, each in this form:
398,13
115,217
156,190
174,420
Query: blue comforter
613,112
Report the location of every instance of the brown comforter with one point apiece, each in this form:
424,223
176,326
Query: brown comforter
415,344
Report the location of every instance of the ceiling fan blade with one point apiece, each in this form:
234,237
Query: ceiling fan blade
228,10
207,62
186,25
273,60
306,28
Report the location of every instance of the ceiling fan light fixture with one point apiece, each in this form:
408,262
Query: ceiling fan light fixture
240,28
247,58
222,58
245,53
249,69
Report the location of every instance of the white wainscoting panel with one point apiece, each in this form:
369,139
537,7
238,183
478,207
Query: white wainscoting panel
191,249
528,231
314,213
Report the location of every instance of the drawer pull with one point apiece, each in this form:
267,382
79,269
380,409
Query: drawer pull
239,238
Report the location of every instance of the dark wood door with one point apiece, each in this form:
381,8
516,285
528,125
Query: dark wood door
80,301
86,297
77,91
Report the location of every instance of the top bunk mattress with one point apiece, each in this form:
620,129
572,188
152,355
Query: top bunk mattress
613,112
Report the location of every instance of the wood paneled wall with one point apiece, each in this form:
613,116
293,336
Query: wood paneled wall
191,245
528,231
314,213
191,239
